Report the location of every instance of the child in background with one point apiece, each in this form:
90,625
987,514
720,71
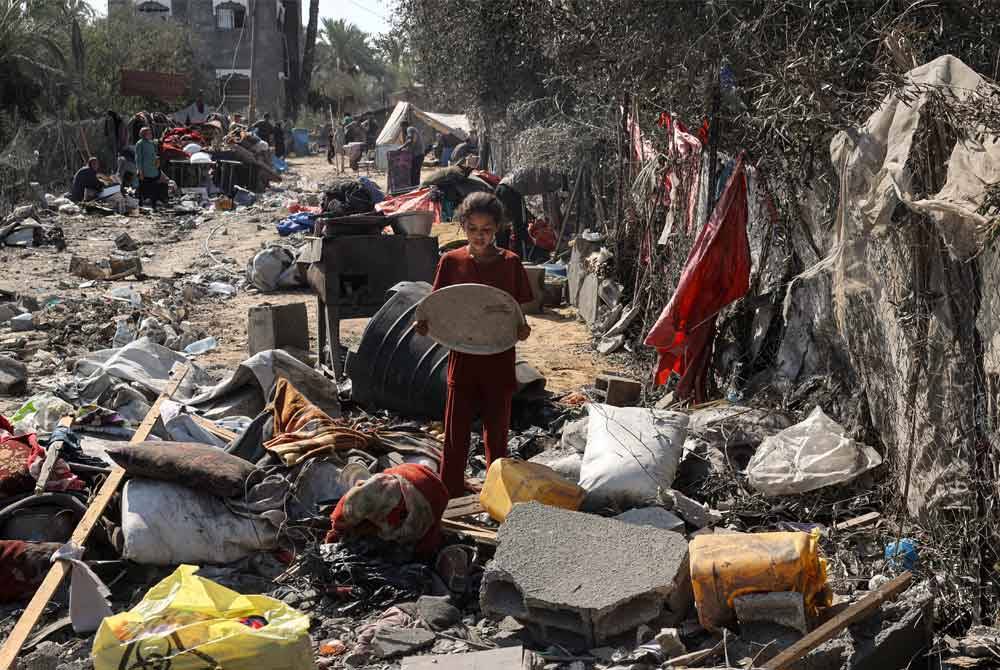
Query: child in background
479,384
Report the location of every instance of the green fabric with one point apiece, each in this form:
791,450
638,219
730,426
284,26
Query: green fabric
145,158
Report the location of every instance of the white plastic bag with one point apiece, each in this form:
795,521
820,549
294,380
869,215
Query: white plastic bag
167,524
632,453
808,456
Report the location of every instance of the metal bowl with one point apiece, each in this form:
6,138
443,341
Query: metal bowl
412,223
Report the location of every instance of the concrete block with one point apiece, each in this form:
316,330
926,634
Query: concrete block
13,377
619,391
277,327
578,579
657,517
692,511
536,278
785,608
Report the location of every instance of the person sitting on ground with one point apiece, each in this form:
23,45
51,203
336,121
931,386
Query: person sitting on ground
414,143
477,384
147,161
279,140
86,185
264,128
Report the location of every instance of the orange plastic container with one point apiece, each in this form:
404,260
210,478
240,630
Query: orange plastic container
510,481
724,567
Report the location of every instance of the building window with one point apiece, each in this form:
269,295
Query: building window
230,16
151,8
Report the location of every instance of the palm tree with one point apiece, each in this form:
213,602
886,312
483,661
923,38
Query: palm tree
347,61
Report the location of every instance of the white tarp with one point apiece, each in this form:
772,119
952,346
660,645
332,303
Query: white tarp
391,136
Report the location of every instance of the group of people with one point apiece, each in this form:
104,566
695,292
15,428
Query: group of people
273,134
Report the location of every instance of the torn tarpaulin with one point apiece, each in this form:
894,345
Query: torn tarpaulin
716,273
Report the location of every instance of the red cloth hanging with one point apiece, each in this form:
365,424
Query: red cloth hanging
717,272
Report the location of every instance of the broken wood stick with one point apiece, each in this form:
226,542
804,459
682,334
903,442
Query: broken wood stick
51,456
827,631
464,506
210,426
862,520
484,535
22,629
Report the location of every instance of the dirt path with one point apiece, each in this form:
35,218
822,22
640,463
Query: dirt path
172,248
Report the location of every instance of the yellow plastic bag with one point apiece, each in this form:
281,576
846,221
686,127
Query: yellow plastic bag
510,481
190,623
724,567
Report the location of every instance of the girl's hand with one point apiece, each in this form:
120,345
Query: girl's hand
523,331
420,327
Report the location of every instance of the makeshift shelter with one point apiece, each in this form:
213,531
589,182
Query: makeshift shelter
391,137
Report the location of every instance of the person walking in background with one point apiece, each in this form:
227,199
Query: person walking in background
279,140
414,143
148,163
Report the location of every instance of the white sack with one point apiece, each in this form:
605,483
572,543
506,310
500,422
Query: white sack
167,524
632,453
809,456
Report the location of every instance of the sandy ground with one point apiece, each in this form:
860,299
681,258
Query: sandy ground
559,346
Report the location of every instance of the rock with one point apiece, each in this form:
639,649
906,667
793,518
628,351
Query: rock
785,608
392,641
125,242
22,323
8,311
21,213
669,640
570,587
13,377
657,517
437,612
692,511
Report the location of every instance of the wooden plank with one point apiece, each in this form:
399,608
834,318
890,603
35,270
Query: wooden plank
464,506
476,533
22,629
51,456
827,631
505,658
210,426
862,520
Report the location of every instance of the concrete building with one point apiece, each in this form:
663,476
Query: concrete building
224,27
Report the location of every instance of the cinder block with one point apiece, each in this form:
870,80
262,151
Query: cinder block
579,579
277,327
785,608
619,391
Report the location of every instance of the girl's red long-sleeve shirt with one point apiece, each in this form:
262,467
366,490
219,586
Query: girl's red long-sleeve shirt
505,273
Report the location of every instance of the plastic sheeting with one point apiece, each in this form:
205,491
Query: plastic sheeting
807,456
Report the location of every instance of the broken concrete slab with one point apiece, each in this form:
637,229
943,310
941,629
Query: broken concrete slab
393,641
493,659
13,377
561,573
438,612
669,640
125,242
657,517
692,511
277,327
784,608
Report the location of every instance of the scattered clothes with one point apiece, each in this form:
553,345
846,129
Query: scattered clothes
302,430
215,626
350,196
23,566
716,273
21,459
403,504
296,223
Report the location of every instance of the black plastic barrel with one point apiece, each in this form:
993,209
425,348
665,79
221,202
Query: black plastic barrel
395,368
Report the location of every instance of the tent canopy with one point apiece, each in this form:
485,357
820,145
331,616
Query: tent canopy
455,124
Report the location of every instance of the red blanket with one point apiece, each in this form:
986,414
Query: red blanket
23,566
717,272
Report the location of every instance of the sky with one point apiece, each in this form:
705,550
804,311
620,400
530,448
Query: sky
372,16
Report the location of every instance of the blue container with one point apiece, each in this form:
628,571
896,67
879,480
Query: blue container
557,269
300,141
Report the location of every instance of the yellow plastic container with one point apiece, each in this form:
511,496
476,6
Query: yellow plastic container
724,567
510,481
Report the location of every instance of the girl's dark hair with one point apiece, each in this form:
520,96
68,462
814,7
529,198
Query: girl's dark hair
481,202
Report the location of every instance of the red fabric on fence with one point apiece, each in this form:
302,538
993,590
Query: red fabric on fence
716,273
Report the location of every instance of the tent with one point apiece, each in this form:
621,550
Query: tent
428,123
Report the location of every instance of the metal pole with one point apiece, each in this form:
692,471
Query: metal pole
253,60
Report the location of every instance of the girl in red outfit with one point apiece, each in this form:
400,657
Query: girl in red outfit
479,384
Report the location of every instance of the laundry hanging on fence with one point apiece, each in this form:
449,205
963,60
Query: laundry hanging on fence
716,273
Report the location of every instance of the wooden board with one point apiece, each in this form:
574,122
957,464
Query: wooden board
827,631
862,520
12,645
505,658
464,506
483,535
210,426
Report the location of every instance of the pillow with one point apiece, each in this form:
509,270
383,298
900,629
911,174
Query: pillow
197,466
